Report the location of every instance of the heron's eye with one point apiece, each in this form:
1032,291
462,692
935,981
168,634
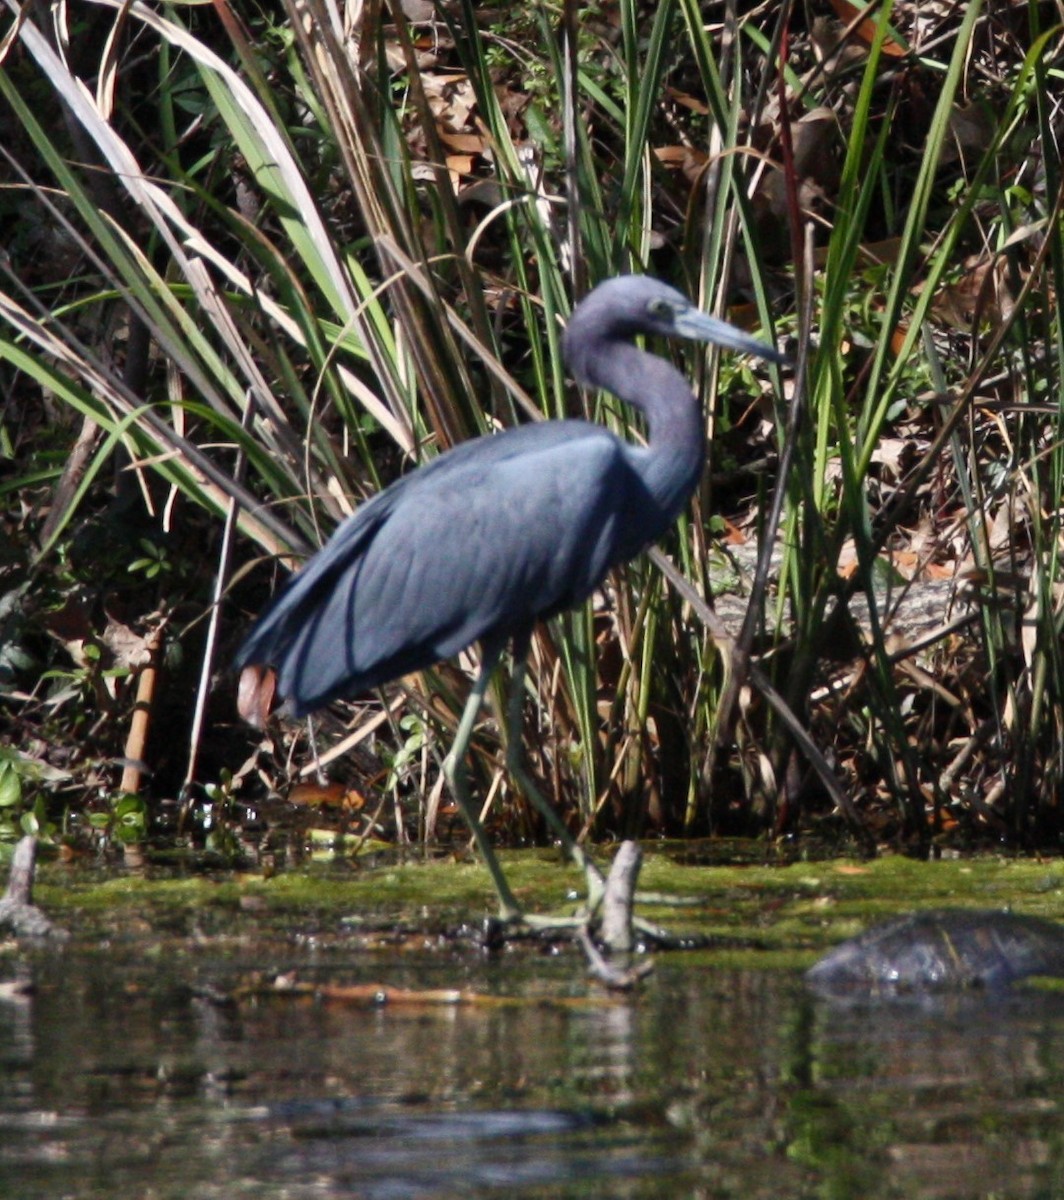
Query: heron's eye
661,308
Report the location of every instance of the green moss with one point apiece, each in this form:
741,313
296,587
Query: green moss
764,914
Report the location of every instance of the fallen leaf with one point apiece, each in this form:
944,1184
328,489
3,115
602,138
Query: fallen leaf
130,649
687,101
462,143
327,795
865,29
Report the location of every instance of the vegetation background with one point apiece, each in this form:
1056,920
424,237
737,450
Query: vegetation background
259,260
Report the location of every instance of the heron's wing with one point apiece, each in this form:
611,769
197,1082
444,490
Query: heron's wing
414,495
294,605
474,546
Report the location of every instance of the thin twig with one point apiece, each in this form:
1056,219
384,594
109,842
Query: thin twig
225,558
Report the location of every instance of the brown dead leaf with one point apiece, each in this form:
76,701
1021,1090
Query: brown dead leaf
462,143
865,30
690,161
880,253
972,127
940,570
893,454
671,156
687,101
733,535
905,562
814,139
378,994
836,53
981,296
897,339
451,98
130,649
459,167
328,795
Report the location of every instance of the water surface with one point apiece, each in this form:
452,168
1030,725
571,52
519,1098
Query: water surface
128,1070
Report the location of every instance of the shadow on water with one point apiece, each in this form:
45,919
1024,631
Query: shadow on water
122,1074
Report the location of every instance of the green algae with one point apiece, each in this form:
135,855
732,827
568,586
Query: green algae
775,916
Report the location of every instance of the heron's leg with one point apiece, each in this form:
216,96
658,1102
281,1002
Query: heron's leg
515,763
454,770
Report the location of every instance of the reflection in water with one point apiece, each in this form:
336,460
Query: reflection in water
117,1078
602,1053
960,1094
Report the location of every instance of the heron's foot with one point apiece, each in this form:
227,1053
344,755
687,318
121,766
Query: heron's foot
512,914
617,970
516,922
511,925
606,928
514,918
620,974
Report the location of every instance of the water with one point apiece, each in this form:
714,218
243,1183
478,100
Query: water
125,1073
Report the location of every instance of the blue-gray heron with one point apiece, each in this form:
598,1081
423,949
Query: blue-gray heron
498,533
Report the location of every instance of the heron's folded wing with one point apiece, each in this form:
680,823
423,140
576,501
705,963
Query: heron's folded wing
473,548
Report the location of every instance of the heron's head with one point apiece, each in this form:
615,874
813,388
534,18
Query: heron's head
627,305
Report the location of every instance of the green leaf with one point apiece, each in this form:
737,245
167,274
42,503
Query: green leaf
10,786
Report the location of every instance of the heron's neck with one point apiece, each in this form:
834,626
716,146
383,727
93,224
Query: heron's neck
676,442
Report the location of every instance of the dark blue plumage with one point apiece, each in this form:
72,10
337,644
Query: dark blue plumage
503,530
477,544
